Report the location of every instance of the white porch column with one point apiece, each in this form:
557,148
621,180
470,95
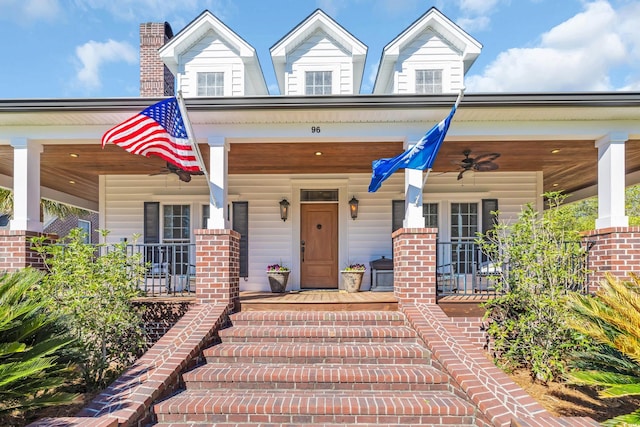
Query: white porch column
413,217
26,185
611,181
218,166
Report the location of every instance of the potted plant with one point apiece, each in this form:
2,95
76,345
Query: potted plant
352,277
278,276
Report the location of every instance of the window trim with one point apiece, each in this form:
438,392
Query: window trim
417,71
299,74
191,77
410,72
324,73
215,87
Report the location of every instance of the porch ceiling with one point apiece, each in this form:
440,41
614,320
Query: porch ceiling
574,167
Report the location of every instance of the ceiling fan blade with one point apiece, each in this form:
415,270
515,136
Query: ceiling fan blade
163,172
461,173
485,166
486,157
183,175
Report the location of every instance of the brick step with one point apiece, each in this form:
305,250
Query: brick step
312,377
318,334
318,318
398,408
317,353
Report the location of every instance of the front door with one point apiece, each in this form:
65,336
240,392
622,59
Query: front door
319,246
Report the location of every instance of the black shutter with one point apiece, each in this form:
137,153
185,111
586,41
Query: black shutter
397,214
152,222
241,225
489,214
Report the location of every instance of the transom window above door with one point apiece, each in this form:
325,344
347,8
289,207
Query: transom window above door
428,81
318,83
211,84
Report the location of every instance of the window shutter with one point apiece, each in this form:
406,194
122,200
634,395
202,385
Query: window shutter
397,214
489,214
241,225
152,222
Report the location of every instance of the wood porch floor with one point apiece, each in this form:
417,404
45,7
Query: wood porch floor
320,300
334,300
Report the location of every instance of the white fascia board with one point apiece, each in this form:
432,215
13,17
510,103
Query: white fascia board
318,20
174,48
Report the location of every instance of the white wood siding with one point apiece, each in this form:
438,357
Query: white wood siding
271,240
212,54
429,51
319,53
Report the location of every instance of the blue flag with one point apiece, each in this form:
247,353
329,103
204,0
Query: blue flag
421,156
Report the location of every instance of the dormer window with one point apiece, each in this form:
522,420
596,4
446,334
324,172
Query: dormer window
318,83
211,84
429,81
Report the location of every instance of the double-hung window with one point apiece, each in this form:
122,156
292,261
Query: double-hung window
318,83
210,84
429,81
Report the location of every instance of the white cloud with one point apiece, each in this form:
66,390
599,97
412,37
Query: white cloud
132,10
478,23
30,10
478,7
578,54
93,55
475,14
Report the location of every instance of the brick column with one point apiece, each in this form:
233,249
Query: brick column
16,252
414,265
218,267
616,250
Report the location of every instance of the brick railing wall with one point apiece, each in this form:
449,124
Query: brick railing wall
414,265
16,251
615,251
218,267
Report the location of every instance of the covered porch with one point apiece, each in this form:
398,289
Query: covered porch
262,151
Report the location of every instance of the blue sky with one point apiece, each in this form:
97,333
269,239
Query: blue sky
89,48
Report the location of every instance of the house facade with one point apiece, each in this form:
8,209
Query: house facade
310,149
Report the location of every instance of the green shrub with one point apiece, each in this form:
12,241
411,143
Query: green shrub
540,263
95,293
31,338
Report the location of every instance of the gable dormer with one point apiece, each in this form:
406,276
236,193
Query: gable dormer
431,56
208,59
319,57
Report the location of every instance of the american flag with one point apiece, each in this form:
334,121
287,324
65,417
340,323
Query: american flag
159,130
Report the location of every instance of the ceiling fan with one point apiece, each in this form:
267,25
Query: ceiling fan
182,174
481,163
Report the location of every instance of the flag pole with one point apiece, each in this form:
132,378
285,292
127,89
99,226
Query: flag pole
424,181
194,144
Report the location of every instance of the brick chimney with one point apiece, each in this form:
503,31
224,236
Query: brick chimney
155,78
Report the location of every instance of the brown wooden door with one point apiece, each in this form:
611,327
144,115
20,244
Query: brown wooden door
319,252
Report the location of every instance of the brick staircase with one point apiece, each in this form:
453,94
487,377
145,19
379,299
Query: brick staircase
329,369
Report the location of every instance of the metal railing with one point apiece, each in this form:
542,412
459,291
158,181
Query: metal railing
169,268
462,268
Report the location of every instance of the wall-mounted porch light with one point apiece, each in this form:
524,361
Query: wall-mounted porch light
284,209
353,207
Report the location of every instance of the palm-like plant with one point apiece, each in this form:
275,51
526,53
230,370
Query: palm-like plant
30,337
611,318
53,208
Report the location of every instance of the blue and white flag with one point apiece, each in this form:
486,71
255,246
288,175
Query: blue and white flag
421,156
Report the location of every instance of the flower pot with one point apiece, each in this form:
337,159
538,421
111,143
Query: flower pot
352,280
278,280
